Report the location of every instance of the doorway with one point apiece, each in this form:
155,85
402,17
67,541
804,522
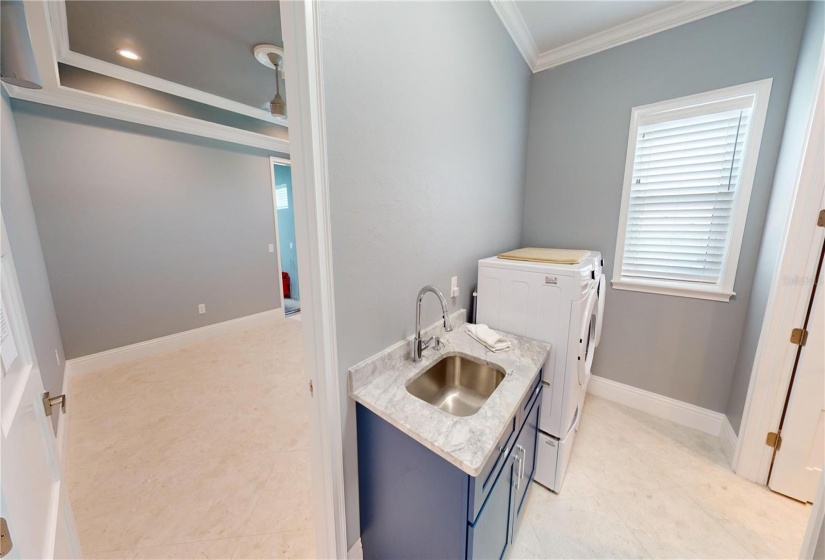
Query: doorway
284,209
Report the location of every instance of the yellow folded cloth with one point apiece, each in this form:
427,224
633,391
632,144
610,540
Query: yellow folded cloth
536,254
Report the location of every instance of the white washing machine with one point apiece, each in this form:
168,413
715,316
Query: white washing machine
558,304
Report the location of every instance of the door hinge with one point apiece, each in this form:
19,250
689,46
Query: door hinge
821,220
799,336
774,440
311,389
5,538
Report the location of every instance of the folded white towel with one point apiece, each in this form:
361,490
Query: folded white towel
489,338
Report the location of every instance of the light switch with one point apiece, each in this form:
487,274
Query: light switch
201,308
271,248
454,286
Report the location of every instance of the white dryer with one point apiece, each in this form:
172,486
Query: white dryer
557,304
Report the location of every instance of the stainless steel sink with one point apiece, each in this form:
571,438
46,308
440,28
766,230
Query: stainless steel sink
456,384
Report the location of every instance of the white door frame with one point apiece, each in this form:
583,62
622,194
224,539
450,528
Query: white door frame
787,302
816,521
305,99
273,161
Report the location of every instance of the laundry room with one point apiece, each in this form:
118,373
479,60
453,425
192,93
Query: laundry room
507,279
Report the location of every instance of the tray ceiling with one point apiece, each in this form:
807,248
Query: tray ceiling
202,45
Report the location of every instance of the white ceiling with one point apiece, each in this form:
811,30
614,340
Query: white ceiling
553,32
553,24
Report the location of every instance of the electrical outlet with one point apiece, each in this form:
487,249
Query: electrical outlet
271,248
57,356
201,308
454,286
290,245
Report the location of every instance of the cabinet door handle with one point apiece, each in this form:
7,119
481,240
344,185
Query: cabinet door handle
522,460
517,460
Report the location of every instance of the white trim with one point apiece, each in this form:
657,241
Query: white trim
124,354
662,20
668,18
510,16
56,95
663,288
685,414
356,551
91,103
272,161
60,38
787,304
760,91
729,442
816,522
301,32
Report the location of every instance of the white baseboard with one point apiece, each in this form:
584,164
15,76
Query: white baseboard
729,441
117,356
686,414
356,552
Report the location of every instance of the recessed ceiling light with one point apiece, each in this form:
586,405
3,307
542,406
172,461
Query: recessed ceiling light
126,53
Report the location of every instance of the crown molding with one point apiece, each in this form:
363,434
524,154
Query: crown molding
662,20
510,16
60,40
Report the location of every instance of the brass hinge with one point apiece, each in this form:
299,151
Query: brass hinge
5,538
799,336
774,440
821,221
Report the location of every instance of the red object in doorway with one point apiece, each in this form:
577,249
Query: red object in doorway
285,282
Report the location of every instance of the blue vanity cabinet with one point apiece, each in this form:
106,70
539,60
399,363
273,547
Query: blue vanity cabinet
489,536
415,504
526,445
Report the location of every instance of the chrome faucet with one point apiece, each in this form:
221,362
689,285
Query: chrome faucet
418,344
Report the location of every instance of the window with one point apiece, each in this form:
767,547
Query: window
281,198
688,178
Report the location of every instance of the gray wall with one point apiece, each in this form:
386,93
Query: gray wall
579,119
801,104
139,226
426,107
21,226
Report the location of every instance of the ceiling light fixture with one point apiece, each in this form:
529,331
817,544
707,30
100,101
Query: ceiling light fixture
126,53
273,57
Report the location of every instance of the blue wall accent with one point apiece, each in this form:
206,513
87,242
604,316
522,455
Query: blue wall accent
286,229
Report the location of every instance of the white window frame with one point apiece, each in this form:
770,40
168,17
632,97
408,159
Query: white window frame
722,291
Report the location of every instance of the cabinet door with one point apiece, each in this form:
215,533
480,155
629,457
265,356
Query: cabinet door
489,535
526,447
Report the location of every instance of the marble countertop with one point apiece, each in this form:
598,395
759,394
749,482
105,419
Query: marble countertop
379,383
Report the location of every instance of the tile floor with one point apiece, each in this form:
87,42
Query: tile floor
642,487
202,453
196,453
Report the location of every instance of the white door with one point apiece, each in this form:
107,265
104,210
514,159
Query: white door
31,498
801,455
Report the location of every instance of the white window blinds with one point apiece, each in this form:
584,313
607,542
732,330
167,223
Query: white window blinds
684,186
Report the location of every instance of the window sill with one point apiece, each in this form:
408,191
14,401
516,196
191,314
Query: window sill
678,290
